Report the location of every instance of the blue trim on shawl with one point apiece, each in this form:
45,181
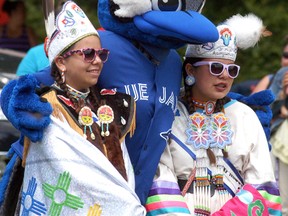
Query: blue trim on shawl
230,103
234,169
172,136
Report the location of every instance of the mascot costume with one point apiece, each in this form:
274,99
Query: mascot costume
142,37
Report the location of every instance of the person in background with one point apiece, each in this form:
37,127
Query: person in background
266,81
81,166
279,140
279,126
34,61
217,158
16,35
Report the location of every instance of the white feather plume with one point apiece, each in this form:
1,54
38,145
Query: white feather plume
248,29
49,16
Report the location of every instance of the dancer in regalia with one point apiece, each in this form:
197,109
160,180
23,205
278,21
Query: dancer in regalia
217,158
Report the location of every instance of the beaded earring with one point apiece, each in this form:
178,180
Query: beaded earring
63,75
190,80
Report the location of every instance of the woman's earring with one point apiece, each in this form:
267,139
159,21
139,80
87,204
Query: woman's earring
63,75
190,80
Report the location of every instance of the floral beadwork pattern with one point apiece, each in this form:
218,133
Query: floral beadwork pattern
198,131
221,131
208,131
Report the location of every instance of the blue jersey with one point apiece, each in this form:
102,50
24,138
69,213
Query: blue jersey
153,78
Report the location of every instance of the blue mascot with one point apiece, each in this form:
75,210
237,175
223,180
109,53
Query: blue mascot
142,37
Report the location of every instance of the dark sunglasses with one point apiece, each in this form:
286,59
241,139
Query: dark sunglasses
89,54
217,68
285,54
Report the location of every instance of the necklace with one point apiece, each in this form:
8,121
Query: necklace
78,94
208,106
75,93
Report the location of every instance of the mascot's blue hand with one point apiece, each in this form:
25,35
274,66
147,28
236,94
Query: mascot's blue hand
260,102
26,110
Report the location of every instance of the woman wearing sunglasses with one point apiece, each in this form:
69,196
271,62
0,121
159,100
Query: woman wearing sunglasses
217,160
81,166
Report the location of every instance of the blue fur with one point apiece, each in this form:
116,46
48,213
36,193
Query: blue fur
261,99
6,176
22,102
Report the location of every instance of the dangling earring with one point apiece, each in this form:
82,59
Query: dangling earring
190,80
63,75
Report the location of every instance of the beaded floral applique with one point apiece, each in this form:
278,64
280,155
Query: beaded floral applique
209,131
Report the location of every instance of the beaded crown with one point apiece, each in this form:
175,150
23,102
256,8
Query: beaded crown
70,26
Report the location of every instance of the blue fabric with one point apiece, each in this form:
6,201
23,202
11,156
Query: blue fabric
18,147
276,85
155,89
44,76
6,176
35,60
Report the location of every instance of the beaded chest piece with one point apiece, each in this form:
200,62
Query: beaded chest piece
208,131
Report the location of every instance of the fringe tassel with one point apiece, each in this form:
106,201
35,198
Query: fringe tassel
25,150
133,123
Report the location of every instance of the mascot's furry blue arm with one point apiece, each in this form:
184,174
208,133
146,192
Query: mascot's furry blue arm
142,37
23,114
260,102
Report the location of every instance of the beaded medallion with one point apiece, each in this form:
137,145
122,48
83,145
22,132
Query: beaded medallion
85,118
106,116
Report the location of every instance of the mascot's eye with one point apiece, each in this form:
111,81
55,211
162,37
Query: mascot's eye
167,5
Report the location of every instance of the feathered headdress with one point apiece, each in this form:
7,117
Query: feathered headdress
70,26
236,32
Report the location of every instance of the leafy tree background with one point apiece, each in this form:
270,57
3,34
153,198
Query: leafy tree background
255,62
